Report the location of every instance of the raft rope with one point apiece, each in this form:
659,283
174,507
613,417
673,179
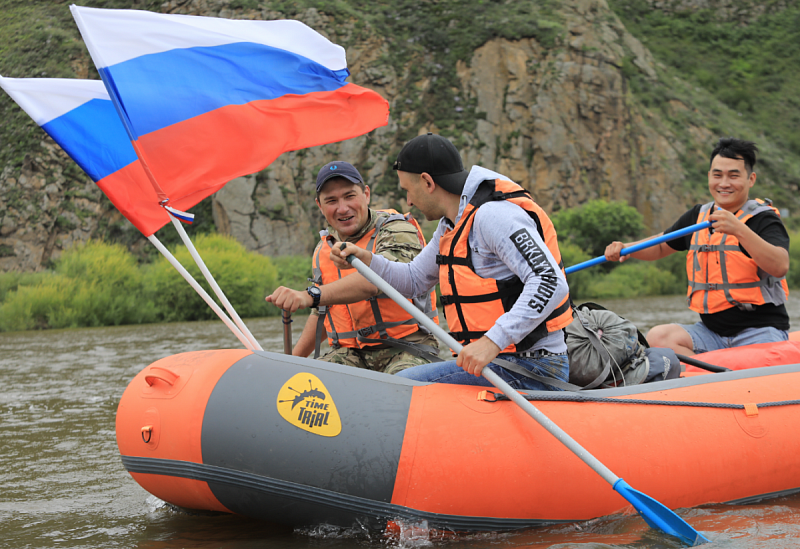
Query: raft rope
581,398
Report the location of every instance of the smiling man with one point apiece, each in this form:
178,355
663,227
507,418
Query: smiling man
364,328
496,259
736,269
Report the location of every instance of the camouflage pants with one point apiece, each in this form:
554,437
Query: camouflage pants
388,361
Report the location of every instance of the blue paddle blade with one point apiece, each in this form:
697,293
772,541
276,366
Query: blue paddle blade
660,517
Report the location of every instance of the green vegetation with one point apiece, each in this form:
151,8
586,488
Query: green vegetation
746,56
93,285
728,68
100,284
597,223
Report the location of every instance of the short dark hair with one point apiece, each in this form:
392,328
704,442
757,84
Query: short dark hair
730,147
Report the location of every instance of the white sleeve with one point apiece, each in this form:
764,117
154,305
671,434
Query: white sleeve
505,233
415,278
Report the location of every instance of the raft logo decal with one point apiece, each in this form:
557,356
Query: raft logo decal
304,402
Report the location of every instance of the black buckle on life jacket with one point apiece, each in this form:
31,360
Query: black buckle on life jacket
364,332
450,260
446,300
706,248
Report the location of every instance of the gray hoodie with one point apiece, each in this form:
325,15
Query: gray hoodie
497,232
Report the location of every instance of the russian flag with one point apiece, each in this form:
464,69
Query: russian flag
79,116
206,100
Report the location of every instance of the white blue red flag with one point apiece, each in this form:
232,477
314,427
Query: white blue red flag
79,116
205,100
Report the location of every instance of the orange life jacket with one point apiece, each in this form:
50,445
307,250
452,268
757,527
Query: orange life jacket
472,304
721,276
374,320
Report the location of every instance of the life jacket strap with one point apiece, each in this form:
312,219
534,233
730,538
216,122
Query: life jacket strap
451,260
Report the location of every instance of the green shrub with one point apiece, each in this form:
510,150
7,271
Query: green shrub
596,224
12,280
38,306
579,281
94,284
635,279
793,277
245,278
293,271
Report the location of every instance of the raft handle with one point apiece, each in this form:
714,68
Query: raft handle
149,430
163,374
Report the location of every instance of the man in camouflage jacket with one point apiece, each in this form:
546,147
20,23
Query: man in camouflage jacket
343,199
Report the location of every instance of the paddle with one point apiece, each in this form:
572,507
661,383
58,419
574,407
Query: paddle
287,331
654,513
704,365
642,245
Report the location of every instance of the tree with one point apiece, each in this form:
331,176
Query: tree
597,223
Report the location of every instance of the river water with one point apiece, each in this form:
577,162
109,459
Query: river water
62,483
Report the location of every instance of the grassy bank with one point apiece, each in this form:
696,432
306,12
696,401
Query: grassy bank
100,284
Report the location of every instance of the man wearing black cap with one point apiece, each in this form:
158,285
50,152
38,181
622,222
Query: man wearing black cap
364,329
496,258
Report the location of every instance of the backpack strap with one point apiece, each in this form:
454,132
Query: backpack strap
320,329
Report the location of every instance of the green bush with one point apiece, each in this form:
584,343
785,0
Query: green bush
596,224
579,281
635,279
12,280
293,271
245,277
94,284
793,277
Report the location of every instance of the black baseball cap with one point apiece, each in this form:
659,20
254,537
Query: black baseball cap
338,168
436,156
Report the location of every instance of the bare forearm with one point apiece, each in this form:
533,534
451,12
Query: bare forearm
651,253
306,343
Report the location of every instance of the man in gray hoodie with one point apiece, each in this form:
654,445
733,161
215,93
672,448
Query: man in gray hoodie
496,258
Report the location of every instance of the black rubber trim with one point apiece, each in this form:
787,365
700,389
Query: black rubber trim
757,499
360,507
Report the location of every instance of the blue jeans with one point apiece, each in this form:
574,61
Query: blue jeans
555,366
705,340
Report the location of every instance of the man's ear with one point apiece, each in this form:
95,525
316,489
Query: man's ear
367,192
319,205
427,182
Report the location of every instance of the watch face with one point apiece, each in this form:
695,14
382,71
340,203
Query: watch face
315,291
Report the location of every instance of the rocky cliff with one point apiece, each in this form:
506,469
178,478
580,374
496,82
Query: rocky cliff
555,111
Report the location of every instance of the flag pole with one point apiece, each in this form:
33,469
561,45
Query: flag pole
213,283
207,298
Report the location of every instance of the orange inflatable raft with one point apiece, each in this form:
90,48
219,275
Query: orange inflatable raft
303,442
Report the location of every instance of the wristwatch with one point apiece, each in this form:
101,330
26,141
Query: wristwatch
315,294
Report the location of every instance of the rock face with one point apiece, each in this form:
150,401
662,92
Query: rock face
561,121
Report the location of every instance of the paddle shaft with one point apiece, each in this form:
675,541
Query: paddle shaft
642,245
492,377
286,316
